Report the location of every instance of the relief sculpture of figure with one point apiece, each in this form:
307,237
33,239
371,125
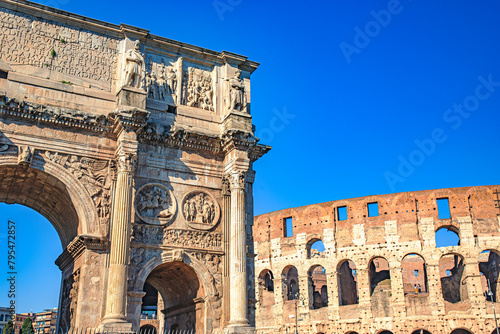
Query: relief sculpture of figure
134,67
237,92
171,81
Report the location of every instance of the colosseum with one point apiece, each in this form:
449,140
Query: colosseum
372,265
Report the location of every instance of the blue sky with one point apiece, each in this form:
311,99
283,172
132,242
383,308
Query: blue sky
356,97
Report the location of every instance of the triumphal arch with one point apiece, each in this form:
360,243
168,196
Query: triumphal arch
139,150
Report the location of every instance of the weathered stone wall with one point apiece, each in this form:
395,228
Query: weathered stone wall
404,235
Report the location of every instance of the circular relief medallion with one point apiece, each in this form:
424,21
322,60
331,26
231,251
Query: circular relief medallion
155,204
200,210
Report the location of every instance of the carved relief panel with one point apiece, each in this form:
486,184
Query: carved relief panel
93,174
200,210
155,204
162,78
198,88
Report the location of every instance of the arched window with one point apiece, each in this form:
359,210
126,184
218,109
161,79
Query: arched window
347,282
489,267
380,277
420,331
461,331
315,248
414,274
447,236
147,329
451,270
291,275
266,288
318,293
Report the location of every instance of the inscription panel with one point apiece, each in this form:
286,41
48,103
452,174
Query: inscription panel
27,40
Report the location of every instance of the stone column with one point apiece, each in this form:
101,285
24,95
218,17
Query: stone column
238,267
117,287
226,193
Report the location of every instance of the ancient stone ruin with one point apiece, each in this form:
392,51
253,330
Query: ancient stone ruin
378,268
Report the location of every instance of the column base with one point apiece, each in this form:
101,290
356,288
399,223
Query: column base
239,329
115,324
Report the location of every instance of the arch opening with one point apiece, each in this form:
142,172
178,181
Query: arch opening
489,267
414,274
380,277
147,329
447,236
266,288
347,281
292,282
451,270
38,244
318,291
315,248
179,297
43,193
461,331
380,287
420,331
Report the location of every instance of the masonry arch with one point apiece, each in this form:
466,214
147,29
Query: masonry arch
315,248
451,271
318,287
292,287
379,274
447,235
186,287
51,190
347,281
489,267
421,331
461,331
414,274
148,329
266,288
385,332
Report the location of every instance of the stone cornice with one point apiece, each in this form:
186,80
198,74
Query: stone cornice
76,247
131,119
179,137
33,112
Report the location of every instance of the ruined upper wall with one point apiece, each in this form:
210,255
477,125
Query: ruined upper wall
398,217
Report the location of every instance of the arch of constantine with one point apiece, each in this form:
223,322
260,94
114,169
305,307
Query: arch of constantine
379,268
139,150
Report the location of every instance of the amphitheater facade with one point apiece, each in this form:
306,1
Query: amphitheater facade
379,269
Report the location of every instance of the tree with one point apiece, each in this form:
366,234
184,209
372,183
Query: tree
27,327
8,328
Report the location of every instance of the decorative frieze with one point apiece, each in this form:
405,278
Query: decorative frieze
189,239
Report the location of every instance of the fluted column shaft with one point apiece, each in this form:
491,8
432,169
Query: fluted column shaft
120,238
238,266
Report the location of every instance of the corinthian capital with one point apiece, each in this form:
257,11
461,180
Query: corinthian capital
126,162
237,179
